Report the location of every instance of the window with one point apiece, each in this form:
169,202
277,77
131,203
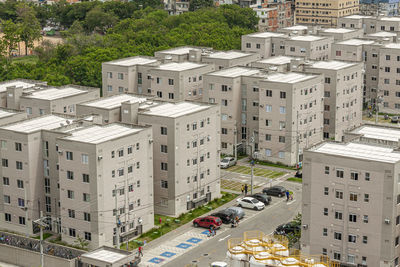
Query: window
327,80
387,57
326,169
367,176
353,196
21,202
326,191
224,88
6,181
281,154
366,197
7,217
85,159
47,185
268,93
365,239
88,236
268,152
18,147
164,166
113,173
71,213
282,110
21,220
29,110
352,238
86,197
85,178
354,176
72,232
170,81
365,218
224,102
338,215
281,139
20,184
248,45
70,194
112,154
18,165
337,235
352,217
120,152
339,173
325,231
326,211
163,130
171,96
137,146
164,184
267,137
338,53
7,199
282,125
70,155
282,94
120,171
70,175
164,149
268,108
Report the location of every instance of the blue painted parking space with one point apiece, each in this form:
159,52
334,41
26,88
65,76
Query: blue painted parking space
194,240
167,254
183,245
156,260
206,232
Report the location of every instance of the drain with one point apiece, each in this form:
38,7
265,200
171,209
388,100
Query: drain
194,261
205,254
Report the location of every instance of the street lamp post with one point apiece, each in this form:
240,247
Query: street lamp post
251,163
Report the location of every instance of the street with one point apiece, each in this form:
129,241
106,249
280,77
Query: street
267,220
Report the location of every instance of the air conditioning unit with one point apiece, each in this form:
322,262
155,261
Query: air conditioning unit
151,141
387,221
261,106
99,157
60,152
305,226
230,88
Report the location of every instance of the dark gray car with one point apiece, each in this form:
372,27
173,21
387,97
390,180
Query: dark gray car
238,211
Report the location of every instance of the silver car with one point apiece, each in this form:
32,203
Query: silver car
238,211
227,162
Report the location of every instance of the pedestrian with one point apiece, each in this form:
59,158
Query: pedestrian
287,195
214,230
291,196
209,232
245,190
236,220
159,221
140,251
242,188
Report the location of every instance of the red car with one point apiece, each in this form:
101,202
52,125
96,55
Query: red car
207,222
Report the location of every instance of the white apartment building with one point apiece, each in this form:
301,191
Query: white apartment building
9,116
128,75
106,174
341,34
7,87
343,90
177,81
266,44
309,46
227,59
278,63
186,155
350,209
350,50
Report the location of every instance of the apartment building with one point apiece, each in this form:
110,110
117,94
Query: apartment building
266,44
343,88
378,7
109,108
186,145
350,209
284,15
324,12
278,63
106,175
350,50
309,46
181,54
127,75
353,21
267,18
7,87
295,29
227,59
341,34
178,81
8,116
382,36
290,116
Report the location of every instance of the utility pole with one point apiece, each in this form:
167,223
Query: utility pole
42,224
297,138
116,218
235,145
252,163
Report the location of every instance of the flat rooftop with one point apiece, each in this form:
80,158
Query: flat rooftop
359,151
4,85
175,110
376,132
296,28
382,34
290,77
49,122
332,65
355,42
174,66
390,18
279,60
55,93
392,46
228,55
337,30
107,255
266,34
178,50
114,101
235,72
307,38
5,113
132,61
100,134
357,17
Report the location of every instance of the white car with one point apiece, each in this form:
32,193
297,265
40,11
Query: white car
250,203
227,162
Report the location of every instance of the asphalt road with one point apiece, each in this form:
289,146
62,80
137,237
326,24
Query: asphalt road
266,221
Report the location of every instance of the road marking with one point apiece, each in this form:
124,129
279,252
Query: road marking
221,239
291,202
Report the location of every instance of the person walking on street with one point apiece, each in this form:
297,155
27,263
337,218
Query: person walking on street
245,190
242,188
236,221
140,251
287,195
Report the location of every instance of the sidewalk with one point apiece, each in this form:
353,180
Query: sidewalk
245,162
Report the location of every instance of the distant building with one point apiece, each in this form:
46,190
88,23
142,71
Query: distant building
379,7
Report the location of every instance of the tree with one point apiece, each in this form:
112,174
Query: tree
294,238
11,37
197,4
98,20
81,243
29,26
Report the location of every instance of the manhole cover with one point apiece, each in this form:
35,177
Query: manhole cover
205,254
194,261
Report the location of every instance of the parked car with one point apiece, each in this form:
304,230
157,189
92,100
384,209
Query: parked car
395,119
278,191
226,216
264,198
238,211
227,162
207,222
287,228
250,203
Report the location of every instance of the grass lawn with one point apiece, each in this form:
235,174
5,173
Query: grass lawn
169,223
26,59
45,236
295,179
233,185
274,165
257,171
